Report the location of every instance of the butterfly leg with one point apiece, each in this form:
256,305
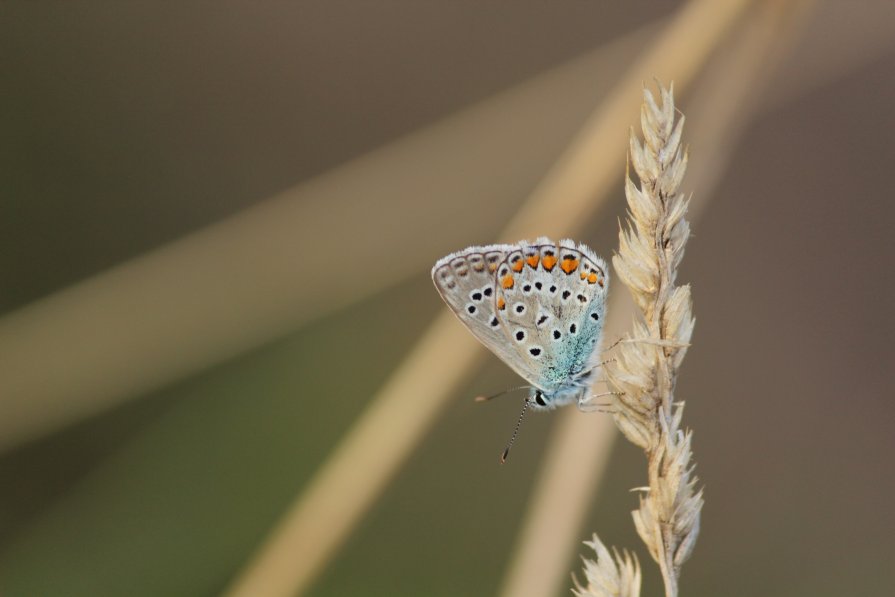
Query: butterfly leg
585,403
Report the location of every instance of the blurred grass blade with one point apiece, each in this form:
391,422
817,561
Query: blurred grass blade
721,105
364,462
570,194
586,168
828,51
238,284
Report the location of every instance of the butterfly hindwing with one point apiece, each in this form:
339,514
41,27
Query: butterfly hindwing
554,298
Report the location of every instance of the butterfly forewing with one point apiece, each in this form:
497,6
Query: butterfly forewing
467,282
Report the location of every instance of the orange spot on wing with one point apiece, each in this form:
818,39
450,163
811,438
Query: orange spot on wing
548,262
501,304
492,267
517,265
533,260
507,281
592,279
569,265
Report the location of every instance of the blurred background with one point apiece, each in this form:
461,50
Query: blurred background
216,227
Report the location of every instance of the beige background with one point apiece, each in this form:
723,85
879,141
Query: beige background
124,128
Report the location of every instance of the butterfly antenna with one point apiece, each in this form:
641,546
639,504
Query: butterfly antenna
500,393
506,451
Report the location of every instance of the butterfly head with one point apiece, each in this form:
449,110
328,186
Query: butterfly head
541,400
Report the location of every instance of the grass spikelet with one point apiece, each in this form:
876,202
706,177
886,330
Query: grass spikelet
609,575
644,372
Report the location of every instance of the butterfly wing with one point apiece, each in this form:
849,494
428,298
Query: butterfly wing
538,306
467,282
553,299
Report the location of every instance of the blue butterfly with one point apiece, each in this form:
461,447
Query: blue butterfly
538,306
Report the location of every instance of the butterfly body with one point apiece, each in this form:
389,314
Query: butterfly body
538,306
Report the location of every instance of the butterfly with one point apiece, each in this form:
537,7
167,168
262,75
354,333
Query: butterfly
539,306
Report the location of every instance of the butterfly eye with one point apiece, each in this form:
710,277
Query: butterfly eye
539,398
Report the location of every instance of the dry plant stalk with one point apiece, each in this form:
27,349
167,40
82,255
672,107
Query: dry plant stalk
644,372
